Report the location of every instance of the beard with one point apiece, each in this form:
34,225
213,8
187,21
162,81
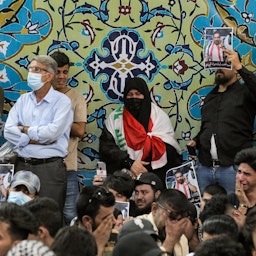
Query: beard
145,210
217,42
181,181
222,79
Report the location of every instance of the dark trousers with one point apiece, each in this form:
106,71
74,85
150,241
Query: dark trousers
53,179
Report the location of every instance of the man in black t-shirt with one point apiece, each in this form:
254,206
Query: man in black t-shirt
245,196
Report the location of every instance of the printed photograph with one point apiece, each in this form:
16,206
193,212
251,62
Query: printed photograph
6,174
217,39
184,178
123,207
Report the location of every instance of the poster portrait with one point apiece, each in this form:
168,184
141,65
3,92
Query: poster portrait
184,178
216,40
123,207
6,175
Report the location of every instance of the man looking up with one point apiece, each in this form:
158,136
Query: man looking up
39,125
77,132
228,116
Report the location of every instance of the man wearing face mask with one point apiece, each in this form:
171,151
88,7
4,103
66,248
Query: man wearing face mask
139,136
39,126
24,187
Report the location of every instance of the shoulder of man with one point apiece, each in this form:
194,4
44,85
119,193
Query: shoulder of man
60,96
73,92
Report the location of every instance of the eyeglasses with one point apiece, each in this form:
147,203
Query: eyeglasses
36,69
100,194
173,215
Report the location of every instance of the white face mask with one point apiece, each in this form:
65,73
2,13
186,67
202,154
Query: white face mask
18,197
35,81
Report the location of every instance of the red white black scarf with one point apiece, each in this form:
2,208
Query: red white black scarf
131,136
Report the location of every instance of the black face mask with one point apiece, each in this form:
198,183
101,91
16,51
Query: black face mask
133,105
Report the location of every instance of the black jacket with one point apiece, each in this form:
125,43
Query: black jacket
230,116
115,158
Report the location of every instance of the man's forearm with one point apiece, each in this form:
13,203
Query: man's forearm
169,244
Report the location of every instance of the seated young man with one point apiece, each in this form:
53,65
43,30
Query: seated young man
16,223
95,212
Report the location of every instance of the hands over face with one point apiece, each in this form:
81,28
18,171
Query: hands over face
174,230
102,233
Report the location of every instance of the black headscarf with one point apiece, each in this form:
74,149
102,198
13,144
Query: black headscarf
143,114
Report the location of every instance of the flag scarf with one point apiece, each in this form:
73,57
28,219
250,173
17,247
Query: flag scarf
131,136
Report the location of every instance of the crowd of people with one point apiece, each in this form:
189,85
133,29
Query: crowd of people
44,211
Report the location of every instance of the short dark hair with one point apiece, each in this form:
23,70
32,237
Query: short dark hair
21,221
218,204
215,189
61,58
91,198
247,156
48,213
174,198
74,241
220,246
221,224
120,182
249,227
216,32
179,171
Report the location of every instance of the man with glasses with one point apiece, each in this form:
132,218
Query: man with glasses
95,212
39,126
169,216
228,114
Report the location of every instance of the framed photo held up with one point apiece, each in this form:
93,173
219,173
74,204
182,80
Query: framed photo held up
216,40
183,178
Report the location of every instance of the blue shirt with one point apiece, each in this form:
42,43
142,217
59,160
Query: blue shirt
49,124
